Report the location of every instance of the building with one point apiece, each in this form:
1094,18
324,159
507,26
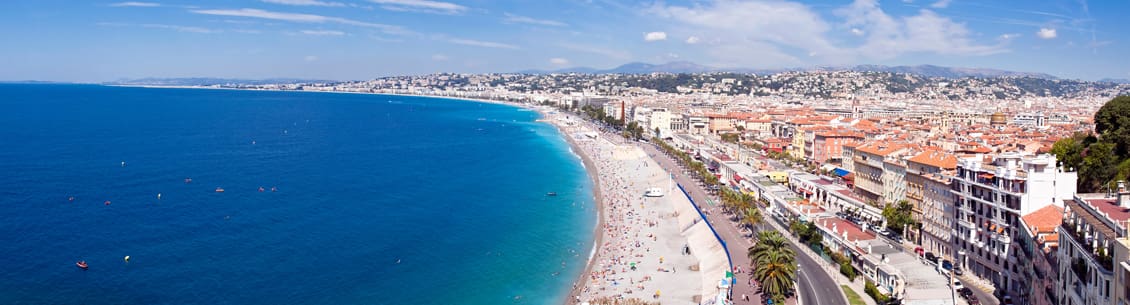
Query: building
868,166
660,119
1092,226
990,196
1036,256
828,146
927,189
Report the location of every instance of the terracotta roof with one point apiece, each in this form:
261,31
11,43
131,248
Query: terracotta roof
854,232
1109,206
936,158
1045,219
880,148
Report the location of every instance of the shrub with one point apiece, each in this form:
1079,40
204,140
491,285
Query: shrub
847,270
873,291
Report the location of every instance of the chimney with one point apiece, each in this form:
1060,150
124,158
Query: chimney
1123,195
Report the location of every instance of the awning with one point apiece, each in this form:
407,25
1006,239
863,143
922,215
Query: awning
840,172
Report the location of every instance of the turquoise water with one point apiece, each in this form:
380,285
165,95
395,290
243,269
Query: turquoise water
454,191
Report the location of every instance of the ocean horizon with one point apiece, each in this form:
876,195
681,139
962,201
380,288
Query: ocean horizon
378,199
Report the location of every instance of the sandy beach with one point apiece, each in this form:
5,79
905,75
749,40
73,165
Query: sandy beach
654,249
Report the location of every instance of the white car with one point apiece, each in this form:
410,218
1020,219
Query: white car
957,285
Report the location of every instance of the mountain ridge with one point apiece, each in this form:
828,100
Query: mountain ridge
690,67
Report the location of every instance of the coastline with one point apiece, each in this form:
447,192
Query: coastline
590,166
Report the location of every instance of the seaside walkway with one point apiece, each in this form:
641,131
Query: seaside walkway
815,286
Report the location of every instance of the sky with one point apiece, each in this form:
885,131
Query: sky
94,41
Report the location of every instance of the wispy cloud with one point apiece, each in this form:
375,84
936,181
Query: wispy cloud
178,28
422,6
941,4
440,57
655,36
322,33
303,18
305,3
557,61
693,40
485,44
511,18
135,4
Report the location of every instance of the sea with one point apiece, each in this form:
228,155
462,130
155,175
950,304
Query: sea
366,199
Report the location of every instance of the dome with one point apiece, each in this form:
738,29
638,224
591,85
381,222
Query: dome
998,118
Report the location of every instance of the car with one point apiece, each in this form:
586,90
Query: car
957,271
931,257
958,286
965,292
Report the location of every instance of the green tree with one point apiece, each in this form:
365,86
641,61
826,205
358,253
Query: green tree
899,215
774,265
752,217
1069,151
1112,123
1099,166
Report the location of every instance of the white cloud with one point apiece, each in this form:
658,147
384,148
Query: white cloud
511,18
692,40
655,36
558,61
303,18
322,33
788,33
178,28
1046,33
310,58
135,4
440,57
305,3
422,6
485,44
941,4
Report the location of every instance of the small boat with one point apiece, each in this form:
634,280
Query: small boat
107,202
82,264
551,194
72,198
653,192
219,190
261,189
187,180
274,189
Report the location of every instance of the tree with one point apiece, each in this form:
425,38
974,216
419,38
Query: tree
899,216
774,265
752,217
1069,151
1112,123
1099,166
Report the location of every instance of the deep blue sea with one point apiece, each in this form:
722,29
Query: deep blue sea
454,191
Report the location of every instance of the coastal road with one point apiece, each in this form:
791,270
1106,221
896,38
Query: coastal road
815,286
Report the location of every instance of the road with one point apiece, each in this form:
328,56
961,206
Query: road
815,286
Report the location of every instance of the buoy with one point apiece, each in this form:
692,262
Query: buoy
158,196
123,163
127,258
107,202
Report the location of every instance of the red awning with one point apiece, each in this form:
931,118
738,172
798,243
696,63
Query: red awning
737,178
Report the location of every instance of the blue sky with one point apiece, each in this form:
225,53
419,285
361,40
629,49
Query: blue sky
363,39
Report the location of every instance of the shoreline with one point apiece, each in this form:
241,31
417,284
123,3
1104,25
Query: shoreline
586,160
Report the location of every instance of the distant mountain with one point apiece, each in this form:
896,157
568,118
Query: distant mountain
208,81
1115,80
690,67
948,72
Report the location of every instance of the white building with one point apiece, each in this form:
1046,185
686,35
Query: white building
990,196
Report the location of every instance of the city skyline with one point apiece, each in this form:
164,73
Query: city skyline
355,39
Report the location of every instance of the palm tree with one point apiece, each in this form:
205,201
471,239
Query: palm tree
774,264
752,217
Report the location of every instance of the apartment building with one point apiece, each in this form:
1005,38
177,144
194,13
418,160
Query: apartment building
829,145
927,189
1036,257
869,166
991,193
1092,226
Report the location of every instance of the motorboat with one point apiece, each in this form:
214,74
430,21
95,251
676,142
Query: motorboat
82,264
653,192
219,190
261,189
551,194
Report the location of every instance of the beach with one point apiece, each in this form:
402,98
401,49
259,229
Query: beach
655,249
